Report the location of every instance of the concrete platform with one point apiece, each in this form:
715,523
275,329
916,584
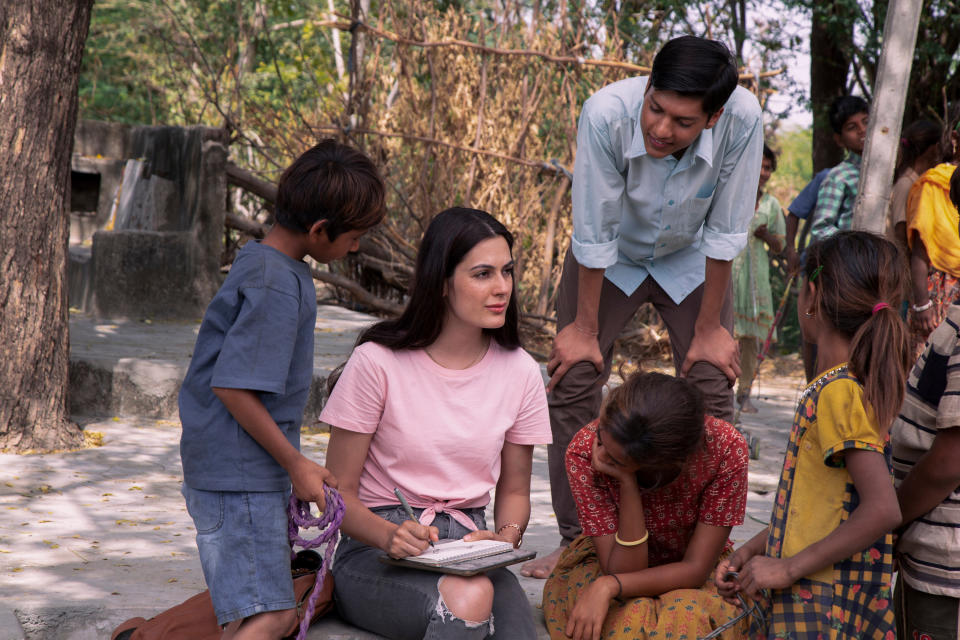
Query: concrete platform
92,537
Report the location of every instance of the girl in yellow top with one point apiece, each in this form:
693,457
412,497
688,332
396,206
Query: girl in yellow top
823,568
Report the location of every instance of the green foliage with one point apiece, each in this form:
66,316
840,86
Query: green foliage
115,79
206,62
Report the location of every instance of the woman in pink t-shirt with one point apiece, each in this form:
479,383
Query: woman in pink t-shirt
443,404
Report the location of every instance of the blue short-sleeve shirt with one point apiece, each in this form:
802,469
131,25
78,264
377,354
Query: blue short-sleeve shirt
257,334
806,201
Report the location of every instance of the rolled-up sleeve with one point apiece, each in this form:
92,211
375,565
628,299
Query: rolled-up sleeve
598,192
728,221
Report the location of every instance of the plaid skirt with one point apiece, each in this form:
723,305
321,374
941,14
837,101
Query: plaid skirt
811,610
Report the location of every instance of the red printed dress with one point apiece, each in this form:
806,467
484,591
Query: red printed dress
712,489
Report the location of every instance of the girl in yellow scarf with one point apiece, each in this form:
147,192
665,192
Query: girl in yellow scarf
932,222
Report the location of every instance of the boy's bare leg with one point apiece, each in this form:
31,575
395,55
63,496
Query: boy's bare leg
268,625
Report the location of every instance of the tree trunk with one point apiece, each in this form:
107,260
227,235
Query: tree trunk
41,47
829,62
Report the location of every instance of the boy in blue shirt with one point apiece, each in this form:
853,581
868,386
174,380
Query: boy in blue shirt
242,401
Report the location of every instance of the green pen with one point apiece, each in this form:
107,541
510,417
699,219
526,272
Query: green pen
407,508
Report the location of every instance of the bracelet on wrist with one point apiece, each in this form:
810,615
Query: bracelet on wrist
632,543
922,307
586,332
619,588
519,531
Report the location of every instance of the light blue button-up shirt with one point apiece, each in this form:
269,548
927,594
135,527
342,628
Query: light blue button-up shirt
635,215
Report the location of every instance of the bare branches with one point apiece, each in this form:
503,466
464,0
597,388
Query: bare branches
244,179
360,294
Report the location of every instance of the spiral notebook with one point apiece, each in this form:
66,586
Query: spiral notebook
464,558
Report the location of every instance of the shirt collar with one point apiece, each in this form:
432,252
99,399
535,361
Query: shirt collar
854,158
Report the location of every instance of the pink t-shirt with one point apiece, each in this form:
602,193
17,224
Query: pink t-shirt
437,433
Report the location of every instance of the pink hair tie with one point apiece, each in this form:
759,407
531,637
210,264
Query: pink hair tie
880,305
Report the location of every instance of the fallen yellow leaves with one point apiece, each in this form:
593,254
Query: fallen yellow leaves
92,439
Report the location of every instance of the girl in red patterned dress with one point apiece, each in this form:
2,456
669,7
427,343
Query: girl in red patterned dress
823,567
658,487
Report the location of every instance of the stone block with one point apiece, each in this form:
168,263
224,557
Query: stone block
146,274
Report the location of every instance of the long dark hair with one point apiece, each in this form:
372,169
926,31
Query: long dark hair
855,271
448,238
655,418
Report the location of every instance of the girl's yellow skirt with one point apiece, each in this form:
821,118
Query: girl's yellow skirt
682,614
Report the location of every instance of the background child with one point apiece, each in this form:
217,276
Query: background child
926,447
241,403
752,297
827,555
658,486
934,245
919,151
848,118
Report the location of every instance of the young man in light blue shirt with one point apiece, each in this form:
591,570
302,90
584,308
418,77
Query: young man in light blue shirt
664,188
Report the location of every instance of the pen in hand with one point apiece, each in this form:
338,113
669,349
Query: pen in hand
408,509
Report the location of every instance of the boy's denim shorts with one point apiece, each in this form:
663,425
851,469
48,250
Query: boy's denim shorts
244,550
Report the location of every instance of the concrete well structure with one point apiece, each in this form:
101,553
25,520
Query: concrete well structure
146,221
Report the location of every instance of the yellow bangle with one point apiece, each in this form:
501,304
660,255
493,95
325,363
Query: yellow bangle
635,543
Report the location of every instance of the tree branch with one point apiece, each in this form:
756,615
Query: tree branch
247,181
359,294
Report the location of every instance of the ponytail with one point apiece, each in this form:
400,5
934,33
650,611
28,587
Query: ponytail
859,279
880,359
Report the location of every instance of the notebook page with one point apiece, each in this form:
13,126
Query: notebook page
452,551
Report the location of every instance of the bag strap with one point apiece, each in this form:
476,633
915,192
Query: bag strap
299,516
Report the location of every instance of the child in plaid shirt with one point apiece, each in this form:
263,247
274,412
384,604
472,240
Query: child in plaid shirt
823,567
834,211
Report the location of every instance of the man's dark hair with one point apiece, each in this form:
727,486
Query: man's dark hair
771,156
842,108
331,182
696,67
